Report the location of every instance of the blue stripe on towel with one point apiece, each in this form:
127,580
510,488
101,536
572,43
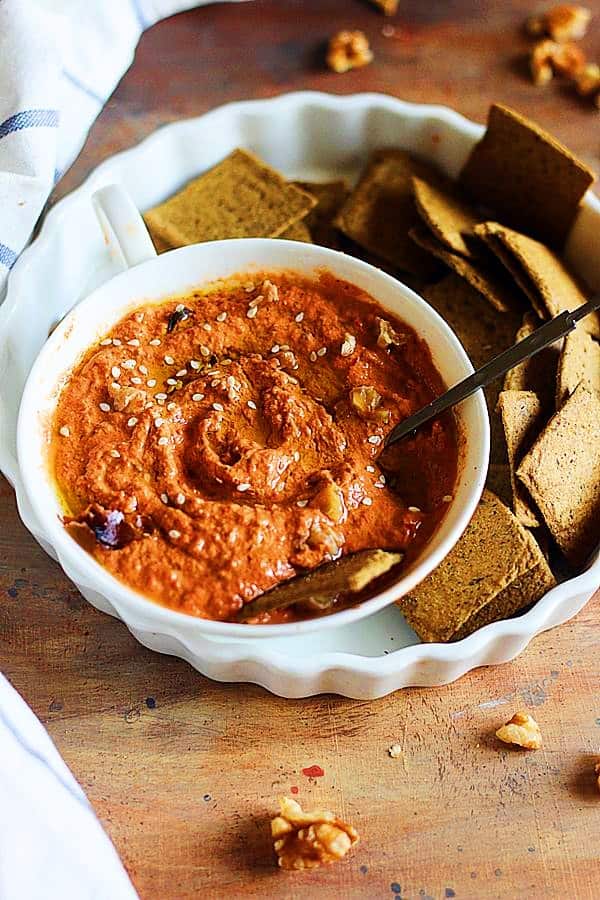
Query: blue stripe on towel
8,257
83,87
29,118
139,14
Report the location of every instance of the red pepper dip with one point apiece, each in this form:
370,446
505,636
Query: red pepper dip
217,444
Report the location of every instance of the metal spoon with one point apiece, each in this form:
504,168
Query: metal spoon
542,337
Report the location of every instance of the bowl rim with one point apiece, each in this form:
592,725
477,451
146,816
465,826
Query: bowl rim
85,570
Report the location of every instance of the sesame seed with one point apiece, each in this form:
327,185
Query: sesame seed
164,498
155,342
374,439
163,441
171,381
134,342
248,287
115,386
115,454
218,407
116,342
174,534
414,509
143,370
221,317
322,351
151,382
158,422
252,310
207,326
226,362
251,404
64,430
367,501
131,422
244,486
447,498
296,455
299,317
275,348
215,382
194,364
129,364
115,371
285,347
204,350
160,396
181,373
370,468
105,407
301,503
382,479
180,307
313,356
169,360
136,380
106,342
180,498
197,397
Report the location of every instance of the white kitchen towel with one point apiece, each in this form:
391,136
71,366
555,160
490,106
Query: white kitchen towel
59,62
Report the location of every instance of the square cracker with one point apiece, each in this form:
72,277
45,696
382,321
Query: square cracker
239,197
538,373
483,274
579,362
526,176
381,210
562,474
498,482
447,215
540,272
493,551
522,420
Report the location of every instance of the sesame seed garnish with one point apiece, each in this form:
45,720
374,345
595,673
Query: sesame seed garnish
134,342
251,404
374,439
158,422
248,287
129,364
155,342
296,455
143,370
181,373
179,307
171,406
174,534
115,386
218,407
221,317
180,499
106,342
226,362
136,380
131,422
163,441
252,310
197,397
244,486
301,503
313,356
64,430
284,347
151,382
322,351
382,479
204,350
447,498
160,396
115,371
169,360
164,498
171,381
194,364
414,509
105,407
367,501
115,454
207,326
299,317
275,348
116,342
370,468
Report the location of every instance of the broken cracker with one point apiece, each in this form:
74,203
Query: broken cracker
522,420
538,373
562,474
447,214
579,363
526,176
493,551
381,210
239,197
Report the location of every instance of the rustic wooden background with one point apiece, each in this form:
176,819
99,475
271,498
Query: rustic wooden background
183,772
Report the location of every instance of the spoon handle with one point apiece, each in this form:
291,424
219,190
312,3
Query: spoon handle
542,337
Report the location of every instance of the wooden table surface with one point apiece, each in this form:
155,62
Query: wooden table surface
183,772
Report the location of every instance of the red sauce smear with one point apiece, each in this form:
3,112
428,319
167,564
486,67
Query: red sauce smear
313,772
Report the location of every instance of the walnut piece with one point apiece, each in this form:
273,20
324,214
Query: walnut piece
387,335
367,403
349,345
387,7
587,82
540,62
330,501
307,840
521,730
395,751
568,59
547,57
562,23
348,50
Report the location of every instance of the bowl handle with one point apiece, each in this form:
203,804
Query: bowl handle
123,227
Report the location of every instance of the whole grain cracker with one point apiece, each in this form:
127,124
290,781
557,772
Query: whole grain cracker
381,210
526,176
239,197
562,474
522,420
540,272
579,363
538,373
447,214
484,275
493,551
330,195
498,482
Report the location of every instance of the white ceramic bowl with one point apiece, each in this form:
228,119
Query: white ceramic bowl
152,278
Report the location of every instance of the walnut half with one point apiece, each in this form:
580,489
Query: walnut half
521,730
307,840
348,50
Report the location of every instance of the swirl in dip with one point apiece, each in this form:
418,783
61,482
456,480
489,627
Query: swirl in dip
217,444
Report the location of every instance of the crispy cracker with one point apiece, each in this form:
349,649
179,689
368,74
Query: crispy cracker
350,574
381,210
297,232
520,593
482,331
522,420
538,373
239,197
539,271
498,482
579,363
484,275
526,176
446,214
562,474
493,551
330,195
